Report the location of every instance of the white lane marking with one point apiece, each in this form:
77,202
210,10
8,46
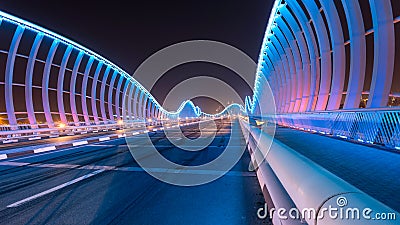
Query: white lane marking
45,149
54,189
121,135
104,139
3,156
98,145
10,141
79,143
55,151
135,133
34,138
13,163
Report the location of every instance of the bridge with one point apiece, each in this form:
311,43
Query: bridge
84,142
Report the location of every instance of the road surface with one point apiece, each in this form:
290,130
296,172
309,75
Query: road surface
102,184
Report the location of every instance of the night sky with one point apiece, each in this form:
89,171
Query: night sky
128,32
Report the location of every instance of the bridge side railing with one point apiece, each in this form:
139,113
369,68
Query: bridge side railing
303,184
378,126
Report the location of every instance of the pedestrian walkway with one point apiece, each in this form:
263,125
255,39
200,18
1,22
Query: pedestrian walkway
374,171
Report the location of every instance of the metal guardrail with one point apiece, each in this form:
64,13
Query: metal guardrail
69,129
381,127
308,185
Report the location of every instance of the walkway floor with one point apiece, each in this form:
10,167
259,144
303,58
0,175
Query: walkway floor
372,170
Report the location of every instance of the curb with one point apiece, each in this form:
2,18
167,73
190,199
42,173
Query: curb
75,143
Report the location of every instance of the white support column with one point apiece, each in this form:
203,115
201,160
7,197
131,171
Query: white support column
339,54
125,90
299,41
282,42
12,120
147,107
281,76
118,94
358,53
140,105
153,111
60,84
144,106
277,84
129,101
299,56
325,53
72,88
311,44
84,90
278,50
94,92
45,83
384,52
136,102
103,93
29,79
110,96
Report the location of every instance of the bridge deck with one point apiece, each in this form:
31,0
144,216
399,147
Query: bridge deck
372,170
122,193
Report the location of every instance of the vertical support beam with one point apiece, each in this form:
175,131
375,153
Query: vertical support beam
103,93
72,88
140,105
325,53
301,58
153,110
282,44
12,120
84,90
136,102
29,79
45,83
127,85
117,97
150,108
339,55
144,108
130,101
281,77
357,53
60,84
94,91
275,77
384,51
117,106
312,46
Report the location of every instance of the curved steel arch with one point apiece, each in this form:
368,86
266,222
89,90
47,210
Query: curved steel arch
314,31
105,93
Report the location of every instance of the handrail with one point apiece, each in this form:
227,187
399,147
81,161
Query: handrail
310,186
374,127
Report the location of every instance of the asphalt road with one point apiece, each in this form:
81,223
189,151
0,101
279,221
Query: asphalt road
102,184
